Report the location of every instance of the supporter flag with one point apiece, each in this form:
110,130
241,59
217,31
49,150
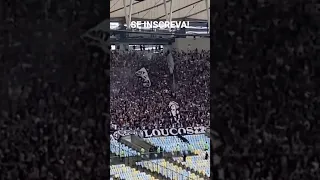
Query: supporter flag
174,106
98,36
171,69
143,73
170,62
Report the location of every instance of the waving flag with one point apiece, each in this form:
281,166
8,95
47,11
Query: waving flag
98,36
143,73
170,62
174,110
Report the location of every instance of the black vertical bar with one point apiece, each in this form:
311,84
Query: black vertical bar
218,54
106,120
14,10
3,59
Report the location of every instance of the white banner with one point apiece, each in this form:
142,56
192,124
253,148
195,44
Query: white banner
111,137
143,73
121,133
173,131
160,132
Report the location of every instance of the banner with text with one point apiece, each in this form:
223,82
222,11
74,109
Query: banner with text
121,133
148,133
173,131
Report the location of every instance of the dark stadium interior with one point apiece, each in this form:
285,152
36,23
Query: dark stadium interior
54,87
267,93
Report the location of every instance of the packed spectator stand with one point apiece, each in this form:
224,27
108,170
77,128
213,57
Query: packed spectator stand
275,57
51,125
268,95
136,107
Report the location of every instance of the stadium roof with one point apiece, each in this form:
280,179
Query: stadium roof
188,10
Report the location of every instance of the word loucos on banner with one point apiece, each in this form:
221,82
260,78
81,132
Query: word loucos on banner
147,133
143,73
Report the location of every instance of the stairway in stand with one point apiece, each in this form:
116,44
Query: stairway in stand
147,171
171,160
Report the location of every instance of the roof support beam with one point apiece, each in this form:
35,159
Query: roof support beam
165,9
123,7
130,13
195,13
125,11
150,8
167,12
170,18
208,14
182,8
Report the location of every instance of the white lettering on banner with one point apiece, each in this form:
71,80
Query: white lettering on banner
182,131
156,132
189,130
146,134
112,137
174,131
165,133
160,132
121,133
116,135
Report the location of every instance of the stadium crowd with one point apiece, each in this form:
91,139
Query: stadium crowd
134,106
54,114
268,95
52,105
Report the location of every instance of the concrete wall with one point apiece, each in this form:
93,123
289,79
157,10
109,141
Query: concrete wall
185,44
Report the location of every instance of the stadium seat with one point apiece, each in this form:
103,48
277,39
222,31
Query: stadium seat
169,143
126,172
116,147
197,163
168,170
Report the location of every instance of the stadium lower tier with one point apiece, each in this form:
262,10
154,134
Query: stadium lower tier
194,167
170,143
168,170
197,163
116,147
124,172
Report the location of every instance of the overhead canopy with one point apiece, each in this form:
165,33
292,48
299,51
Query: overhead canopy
192,10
